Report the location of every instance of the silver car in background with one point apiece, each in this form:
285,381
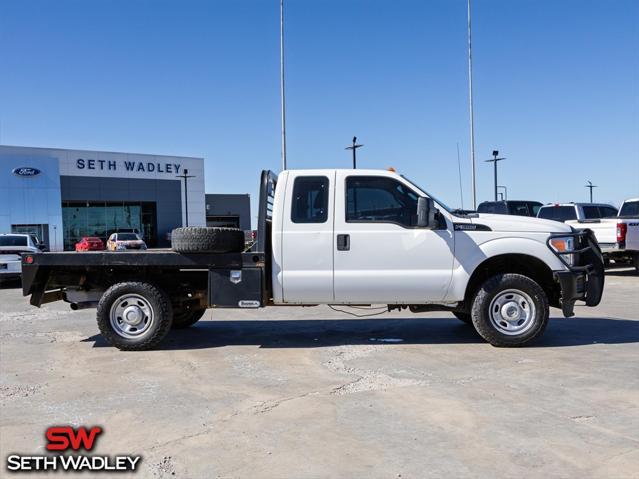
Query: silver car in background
11,247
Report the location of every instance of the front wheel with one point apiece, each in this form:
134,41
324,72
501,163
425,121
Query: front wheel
510,310
134,316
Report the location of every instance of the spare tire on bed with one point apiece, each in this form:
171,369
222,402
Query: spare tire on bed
199,239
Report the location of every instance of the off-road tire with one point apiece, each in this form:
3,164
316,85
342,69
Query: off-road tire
489,290
200,239
162,316
184,319
465,317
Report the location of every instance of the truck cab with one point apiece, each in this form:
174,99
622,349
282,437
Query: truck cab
356,237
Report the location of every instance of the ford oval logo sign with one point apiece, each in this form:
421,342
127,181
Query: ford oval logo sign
26,171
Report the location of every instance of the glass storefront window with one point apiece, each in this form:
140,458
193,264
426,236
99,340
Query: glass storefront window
99,218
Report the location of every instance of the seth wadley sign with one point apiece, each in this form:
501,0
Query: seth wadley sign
128,165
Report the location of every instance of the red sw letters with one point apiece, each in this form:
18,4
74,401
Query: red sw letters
62,438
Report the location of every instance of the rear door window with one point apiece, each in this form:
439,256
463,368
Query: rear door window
558,213
630,208
518,208
535,209
310,199
486,208
591,212
13,240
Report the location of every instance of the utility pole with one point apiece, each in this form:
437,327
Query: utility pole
186,176
354,147
494,161
461,190
282,93
590,186
471,112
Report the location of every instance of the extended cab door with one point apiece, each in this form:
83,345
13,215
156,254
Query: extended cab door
380,255
307,237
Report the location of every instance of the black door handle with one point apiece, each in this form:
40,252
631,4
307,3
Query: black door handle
343,242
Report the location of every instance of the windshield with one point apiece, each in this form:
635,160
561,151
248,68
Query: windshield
440,203
127,237
13,240
630,208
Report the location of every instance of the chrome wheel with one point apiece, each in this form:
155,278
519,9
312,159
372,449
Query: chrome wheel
131,316
512,312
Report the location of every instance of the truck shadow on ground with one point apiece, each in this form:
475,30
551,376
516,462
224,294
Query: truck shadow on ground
338,332
621,272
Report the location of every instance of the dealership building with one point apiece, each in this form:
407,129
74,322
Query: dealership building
62,195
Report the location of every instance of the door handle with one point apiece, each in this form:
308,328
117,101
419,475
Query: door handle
343,242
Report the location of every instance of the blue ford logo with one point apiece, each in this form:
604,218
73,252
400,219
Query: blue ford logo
26,171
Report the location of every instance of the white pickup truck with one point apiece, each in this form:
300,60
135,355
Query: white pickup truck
346,237
618,237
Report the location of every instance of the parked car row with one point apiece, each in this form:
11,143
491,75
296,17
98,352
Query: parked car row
552,211
617,231
618,236
116,242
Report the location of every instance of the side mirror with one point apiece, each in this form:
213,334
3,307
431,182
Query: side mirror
425,212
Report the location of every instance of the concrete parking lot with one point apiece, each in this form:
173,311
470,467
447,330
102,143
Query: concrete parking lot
312,393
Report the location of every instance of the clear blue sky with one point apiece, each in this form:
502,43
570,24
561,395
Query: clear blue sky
556,85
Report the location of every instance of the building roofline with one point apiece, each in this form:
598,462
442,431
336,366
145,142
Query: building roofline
103,151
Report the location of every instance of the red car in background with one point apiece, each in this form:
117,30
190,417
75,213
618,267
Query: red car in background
89,243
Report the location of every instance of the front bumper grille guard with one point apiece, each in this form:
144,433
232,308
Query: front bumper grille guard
585,242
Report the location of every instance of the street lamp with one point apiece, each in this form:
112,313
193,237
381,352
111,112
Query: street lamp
354,147
590,186
494,161
186,176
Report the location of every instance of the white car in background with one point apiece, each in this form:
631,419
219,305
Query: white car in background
618,236
576,211
11,247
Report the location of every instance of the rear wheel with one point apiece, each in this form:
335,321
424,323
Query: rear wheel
465,317
134,316
510,310
185,318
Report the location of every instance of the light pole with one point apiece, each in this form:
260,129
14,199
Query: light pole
471,111
494,161
282,97
186,176
354,147
590,186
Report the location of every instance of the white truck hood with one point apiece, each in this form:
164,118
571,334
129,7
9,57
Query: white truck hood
511,223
